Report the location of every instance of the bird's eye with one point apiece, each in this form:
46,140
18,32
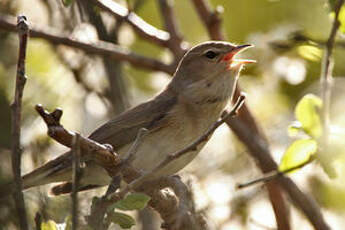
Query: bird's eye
210,54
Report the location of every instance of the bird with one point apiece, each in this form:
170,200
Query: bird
202,85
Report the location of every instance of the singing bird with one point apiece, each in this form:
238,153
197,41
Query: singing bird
203,84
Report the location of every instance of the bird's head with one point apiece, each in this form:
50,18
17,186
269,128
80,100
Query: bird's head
210,68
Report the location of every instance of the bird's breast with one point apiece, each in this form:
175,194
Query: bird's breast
183,125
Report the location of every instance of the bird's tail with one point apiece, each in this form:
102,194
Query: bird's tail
56,170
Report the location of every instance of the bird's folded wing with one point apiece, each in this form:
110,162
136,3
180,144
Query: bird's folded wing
123,129
118,132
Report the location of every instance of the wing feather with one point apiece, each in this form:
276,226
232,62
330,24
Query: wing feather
124,128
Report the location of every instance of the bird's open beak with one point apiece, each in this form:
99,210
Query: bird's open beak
232,62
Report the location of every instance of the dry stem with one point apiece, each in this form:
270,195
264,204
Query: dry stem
75,180
23,31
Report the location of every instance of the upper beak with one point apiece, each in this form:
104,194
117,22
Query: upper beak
229,57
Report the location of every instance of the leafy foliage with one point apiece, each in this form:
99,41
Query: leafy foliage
298,153
309,52
342,19
49,225
125,221
307,114
309,122
134,201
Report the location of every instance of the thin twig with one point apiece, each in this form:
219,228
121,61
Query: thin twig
130,155
260,225
23,31
99,48
326,75
210,19
274,175
75,180
141,27
191,147
89,149
170,24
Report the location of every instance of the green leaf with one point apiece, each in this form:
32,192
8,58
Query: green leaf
125,221
311,53
341,18
67,3
294,128
134,201
298,153
306,112
68,222
49,225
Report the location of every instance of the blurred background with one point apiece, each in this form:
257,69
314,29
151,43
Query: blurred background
90,89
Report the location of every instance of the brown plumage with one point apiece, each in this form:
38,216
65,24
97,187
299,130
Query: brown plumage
202,85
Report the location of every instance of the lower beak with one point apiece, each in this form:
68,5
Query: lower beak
229,57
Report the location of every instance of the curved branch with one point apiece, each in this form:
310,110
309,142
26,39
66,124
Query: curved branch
99,48
170,24
326,76
141,27
211,19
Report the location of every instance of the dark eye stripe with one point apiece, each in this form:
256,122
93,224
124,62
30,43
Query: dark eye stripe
211,54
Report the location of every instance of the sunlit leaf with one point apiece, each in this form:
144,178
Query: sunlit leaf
341,16
294,128
125,221
298,153
342,19
311,53
68,222
134,201
67,3
307,113
49,225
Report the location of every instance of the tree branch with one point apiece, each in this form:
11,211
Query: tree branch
99,48
23,30
326,80
274,175
101,154
170,24
211,19
130,155
141,27
75,180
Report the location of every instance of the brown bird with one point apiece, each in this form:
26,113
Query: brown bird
202,85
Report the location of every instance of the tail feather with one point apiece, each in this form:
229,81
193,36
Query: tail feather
66,188
57,170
